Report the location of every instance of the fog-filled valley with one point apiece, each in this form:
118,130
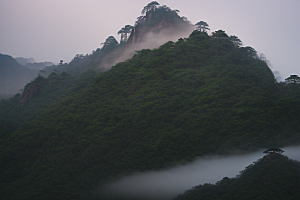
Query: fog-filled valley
168,183
166,108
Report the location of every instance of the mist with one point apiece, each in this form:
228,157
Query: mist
151,40
13,76
166,184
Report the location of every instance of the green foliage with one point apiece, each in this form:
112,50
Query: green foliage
14,112
196,96
274,177
202,26
125,31
220,34
293,79
150,7
110,43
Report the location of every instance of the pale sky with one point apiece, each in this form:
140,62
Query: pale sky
53,30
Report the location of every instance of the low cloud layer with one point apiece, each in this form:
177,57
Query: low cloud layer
166,184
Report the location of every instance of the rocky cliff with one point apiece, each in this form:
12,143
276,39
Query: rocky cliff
159,24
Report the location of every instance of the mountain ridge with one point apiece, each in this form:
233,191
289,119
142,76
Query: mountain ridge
13,76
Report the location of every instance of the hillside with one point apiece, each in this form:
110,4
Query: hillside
37,96
274,177
197,96
13,76
72,130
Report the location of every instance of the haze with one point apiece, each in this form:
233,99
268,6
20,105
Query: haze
59,29
166,184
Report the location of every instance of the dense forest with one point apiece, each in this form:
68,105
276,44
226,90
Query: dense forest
73,129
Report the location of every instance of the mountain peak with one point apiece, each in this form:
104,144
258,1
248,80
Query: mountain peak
159,22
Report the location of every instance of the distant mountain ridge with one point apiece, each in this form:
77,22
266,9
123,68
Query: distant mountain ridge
39,65
31,64
13,76
24,61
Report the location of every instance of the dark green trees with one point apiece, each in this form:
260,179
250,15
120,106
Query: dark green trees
125,32
151,6
273,150
236,41
220,34
109,43
182,100
202,26
293,79
274,177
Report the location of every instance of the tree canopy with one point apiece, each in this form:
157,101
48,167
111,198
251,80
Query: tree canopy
274,150
273,177
109,43
236,40
150,7
220,34
293,79
125,32
202,26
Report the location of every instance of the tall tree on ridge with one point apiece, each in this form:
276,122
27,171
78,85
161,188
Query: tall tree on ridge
109,43
151,6
293,79
236,40
125,31
202,26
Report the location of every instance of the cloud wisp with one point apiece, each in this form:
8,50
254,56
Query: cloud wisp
166,184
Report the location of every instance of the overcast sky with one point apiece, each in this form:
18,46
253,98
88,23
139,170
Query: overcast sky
51,30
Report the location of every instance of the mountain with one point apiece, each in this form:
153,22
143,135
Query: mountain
197,96
31,64
273,177
73,131
13,76
159,25
39,65
24,61
39,95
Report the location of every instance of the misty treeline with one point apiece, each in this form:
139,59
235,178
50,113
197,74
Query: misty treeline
197,96
273,177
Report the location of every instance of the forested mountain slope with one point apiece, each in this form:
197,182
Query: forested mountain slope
197,96
39,95
274,177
